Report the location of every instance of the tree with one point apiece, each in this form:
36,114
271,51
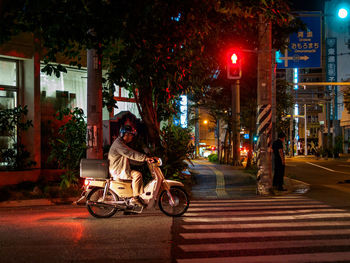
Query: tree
157,50
284,104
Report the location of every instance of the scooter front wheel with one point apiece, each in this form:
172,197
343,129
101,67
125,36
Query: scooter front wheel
100,210
175,203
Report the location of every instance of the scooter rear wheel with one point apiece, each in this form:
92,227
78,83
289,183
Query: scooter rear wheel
101,211
178,206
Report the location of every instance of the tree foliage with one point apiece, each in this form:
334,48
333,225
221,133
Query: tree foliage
284,104
70,145
12,125
157,50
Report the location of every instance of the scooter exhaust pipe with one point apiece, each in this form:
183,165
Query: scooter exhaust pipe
115,205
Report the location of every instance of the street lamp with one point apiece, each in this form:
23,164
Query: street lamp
342,13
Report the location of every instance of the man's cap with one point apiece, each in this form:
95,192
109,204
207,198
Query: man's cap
127,129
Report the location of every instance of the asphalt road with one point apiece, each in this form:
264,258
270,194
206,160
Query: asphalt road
329,179
70,234
226,222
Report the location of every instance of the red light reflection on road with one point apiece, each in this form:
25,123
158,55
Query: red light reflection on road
71,230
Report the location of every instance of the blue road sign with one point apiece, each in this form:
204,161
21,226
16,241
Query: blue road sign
304,49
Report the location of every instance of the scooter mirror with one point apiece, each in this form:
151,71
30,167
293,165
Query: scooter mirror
160,162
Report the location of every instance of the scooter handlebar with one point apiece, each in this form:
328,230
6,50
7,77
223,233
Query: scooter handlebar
155,160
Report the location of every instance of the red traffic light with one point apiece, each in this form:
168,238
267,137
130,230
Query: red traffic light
234,70
234,58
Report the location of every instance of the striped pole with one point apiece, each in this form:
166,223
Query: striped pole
264,116
264,149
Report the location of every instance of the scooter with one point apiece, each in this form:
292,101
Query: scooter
105,196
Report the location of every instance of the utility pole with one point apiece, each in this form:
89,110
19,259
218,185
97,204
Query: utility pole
196,133
218,138
264,177
333,120
94,105
273,95
305,130
291,139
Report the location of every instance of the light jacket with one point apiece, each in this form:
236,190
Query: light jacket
119,155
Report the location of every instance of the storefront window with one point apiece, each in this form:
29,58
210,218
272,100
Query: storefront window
68,91
8,100
127,106
8,73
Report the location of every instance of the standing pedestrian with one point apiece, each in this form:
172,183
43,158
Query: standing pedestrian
278,152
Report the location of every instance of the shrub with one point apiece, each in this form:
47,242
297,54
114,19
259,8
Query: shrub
12,124
70,146
213,158
176,142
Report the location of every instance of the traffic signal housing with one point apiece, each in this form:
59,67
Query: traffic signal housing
234,64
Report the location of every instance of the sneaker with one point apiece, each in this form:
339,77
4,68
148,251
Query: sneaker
138,201
129,213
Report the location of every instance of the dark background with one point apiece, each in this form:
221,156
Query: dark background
307,5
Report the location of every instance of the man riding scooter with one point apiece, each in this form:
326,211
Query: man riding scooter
119,157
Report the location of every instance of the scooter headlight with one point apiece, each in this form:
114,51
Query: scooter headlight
86,183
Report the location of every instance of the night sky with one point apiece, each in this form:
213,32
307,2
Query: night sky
307,5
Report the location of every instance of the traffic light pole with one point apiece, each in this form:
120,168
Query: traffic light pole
235,123
264,157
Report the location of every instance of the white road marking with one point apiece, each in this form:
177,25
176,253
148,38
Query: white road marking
271,201
264,245
344,165
285,224
258,213
260,234
264,217
246,207
266,225
293,258
331,170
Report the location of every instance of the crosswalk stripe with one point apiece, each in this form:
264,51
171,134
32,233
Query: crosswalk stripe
258,213
271,230
292,258
277,233
258,200
251,204
254,206
264,245
245,208
267,225
264,217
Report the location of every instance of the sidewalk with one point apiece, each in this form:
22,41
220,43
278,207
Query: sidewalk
245,187
38,202
225,181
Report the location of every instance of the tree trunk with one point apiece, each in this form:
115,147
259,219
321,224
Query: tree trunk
148,112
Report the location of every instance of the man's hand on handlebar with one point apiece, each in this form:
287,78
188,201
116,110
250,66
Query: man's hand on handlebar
152,159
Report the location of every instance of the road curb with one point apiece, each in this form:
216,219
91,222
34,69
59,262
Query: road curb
38,202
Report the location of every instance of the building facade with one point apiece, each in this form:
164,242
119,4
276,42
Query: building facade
22,83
